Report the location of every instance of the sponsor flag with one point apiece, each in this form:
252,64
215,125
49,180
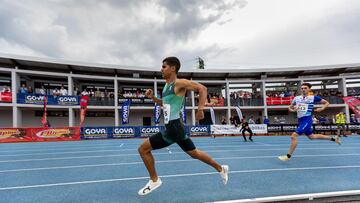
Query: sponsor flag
83,108
183,113
238,110
44,118
125,112
212,113
157,113
354,105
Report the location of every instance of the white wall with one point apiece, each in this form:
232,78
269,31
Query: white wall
29,120
94,121
6,117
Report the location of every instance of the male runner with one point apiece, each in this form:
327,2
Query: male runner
172,102
304,105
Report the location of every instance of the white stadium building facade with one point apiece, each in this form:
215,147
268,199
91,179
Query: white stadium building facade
258,92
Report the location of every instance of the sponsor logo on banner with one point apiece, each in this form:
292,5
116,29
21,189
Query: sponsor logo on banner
148,101
325,127
157,113
199,130
148,131
125,113
66,100
258,128
123,132
224,129
274,128
289,127
95,133
54,133
354,127
6,133
14,135
137,101
34,99
122,100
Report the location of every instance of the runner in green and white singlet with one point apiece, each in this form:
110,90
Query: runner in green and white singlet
172,102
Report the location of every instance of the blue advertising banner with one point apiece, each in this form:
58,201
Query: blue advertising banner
136,131
32,99
124,132
147,131
68,100
125,112
199,130
157,114
183,113
51,100
95,132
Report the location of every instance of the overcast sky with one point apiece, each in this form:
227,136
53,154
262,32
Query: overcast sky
226,34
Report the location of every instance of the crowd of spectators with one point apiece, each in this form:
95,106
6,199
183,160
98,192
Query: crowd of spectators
353,92
5,89
99,94
26,89
244,95
138,94
213,99
281,94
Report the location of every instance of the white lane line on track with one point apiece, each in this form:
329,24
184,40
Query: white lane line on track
166,153
208,144
165,161
251,147
174,176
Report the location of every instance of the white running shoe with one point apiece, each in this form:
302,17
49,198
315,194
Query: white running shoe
149,187
284,158
224,173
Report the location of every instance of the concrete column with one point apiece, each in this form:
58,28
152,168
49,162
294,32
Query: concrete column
228,114
342,86
263,92
17,117
15,85
71,117
266,112
347,114
70,85
116,100
155,87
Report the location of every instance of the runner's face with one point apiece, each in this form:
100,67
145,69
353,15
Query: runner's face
305,89
166,70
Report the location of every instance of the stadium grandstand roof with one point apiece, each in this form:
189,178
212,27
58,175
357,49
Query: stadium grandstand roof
65,66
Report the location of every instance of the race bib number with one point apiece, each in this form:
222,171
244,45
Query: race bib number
166,109
302,109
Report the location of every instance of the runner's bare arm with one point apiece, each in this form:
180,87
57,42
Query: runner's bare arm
197,87
325,104
149,94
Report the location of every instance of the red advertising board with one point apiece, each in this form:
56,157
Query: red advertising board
279,100
55,134
14,135
5,97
